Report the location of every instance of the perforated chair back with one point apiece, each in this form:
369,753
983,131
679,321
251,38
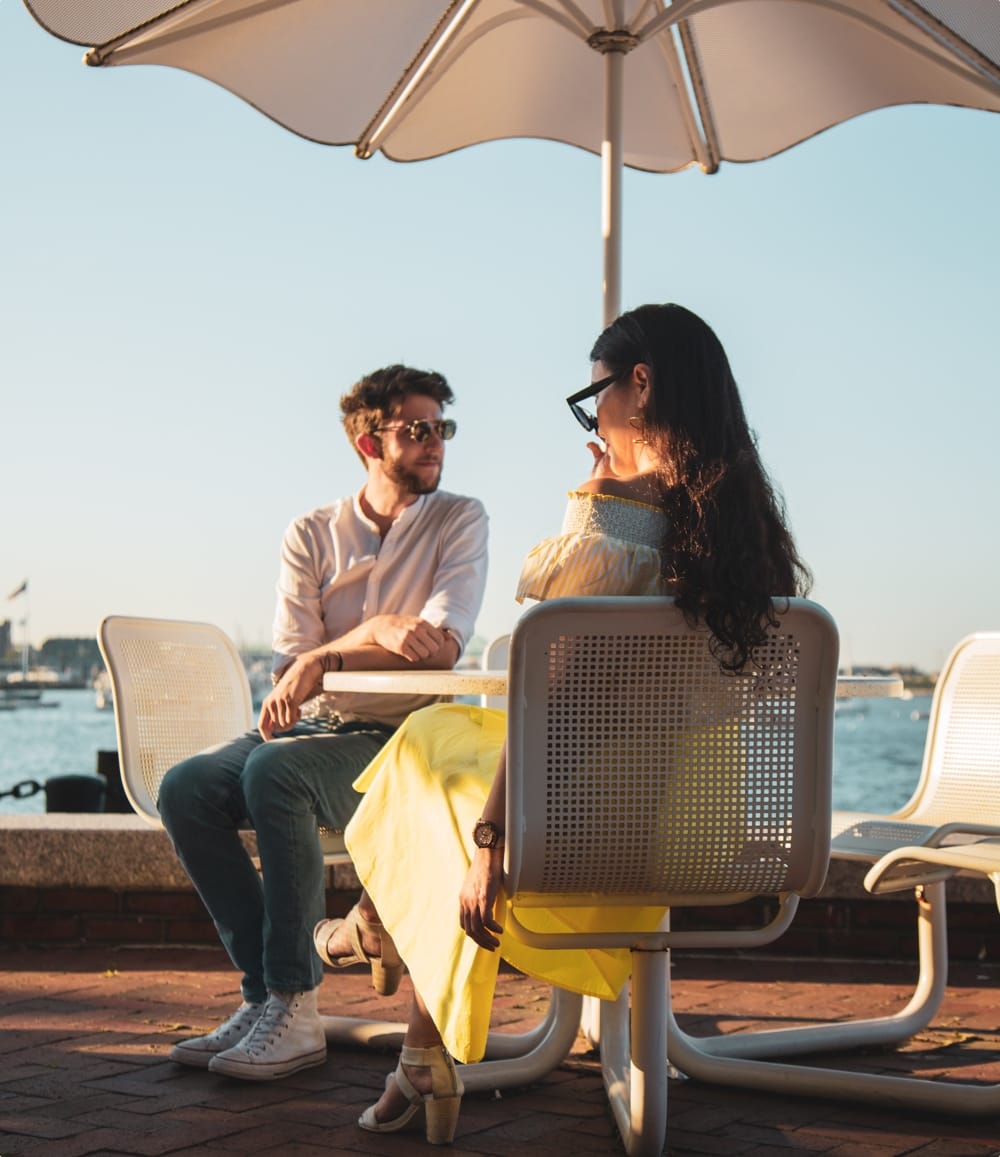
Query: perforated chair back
960,777
178,688
640,772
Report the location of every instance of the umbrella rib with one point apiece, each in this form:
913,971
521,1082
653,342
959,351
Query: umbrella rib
413,83
701,146
447,27
572,18
917,14
161,23
709,137
970,65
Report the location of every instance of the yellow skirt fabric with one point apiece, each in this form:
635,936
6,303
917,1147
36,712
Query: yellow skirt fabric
410,841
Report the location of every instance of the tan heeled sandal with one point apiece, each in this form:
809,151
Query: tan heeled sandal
441,1104
387,967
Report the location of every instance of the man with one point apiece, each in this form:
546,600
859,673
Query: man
392,577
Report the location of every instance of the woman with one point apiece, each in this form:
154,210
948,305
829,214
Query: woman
677,503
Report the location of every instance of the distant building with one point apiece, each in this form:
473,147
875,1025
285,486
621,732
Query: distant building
75,659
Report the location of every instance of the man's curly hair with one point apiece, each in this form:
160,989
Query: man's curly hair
378,396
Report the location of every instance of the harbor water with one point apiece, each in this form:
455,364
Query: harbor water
878,747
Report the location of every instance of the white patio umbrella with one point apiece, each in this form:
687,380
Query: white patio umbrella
646,83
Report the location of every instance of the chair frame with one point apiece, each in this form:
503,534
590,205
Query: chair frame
918,847
633,1034
150,662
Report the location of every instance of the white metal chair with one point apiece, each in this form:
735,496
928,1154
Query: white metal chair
495,658
179,687
640,773
944,828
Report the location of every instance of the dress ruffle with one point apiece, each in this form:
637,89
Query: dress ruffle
608,545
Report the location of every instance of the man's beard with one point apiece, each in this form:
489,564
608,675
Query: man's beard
409,479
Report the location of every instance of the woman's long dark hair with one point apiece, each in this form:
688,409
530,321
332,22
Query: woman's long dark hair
728,550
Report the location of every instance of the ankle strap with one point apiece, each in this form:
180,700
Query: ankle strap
415,1056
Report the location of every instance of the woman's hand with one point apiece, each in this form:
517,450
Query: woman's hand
478,897
602,467
281,709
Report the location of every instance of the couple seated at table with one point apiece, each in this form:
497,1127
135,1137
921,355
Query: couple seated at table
677,502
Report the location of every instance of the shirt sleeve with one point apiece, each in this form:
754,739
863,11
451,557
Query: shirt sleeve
298,616
460,577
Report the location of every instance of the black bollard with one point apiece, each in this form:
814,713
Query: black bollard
115,799
74,793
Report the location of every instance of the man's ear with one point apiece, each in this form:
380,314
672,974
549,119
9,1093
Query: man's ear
369,445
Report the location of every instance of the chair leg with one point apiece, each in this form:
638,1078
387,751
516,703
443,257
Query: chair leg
742,1059
634,1055
932,946
511,1058
914,1093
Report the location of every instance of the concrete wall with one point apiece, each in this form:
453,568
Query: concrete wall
114,880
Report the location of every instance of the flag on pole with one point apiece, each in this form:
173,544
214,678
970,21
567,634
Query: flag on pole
20,591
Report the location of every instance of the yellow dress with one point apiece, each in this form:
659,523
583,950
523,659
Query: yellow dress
410,838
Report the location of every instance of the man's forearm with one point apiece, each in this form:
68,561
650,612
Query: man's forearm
353,652
376,658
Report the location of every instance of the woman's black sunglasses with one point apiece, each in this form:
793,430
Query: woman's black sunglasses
588,421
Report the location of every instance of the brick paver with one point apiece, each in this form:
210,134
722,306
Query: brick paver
83,1068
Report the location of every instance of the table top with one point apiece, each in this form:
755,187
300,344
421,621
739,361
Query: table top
475,681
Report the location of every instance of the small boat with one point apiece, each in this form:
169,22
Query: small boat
103,700
12,693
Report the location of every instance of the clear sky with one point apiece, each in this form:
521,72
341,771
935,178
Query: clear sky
186,289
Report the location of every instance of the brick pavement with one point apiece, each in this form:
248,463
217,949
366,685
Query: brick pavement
85,1032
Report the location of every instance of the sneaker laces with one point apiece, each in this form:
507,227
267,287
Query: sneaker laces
270,1025
242,1019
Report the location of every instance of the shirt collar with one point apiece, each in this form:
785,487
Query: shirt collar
402,520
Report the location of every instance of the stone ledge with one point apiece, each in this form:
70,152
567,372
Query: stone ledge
123,852
126,853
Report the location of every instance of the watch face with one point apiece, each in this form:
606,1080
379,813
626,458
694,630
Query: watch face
485,835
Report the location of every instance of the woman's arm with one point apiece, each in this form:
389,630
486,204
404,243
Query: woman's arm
478,897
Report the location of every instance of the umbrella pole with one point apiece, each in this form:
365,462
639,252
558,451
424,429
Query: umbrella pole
612,168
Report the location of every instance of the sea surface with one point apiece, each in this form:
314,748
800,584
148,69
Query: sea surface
878,747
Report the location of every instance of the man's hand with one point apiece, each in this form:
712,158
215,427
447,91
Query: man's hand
408,636
478,897
281,709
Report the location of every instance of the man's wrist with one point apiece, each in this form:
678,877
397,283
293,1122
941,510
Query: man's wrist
332,661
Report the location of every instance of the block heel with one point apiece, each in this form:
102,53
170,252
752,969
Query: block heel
441,1105
387,967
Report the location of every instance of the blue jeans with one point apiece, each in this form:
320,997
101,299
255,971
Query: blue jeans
284,789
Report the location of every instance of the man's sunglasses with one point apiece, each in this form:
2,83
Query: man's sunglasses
422,428
589,421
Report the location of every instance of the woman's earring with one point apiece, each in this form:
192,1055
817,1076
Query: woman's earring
637,424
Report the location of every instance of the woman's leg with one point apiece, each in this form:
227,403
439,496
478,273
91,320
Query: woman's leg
421,1033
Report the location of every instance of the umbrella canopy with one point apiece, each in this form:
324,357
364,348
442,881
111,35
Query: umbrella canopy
644,83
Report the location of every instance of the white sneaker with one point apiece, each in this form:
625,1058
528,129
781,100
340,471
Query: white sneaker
198,1051
287,1036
